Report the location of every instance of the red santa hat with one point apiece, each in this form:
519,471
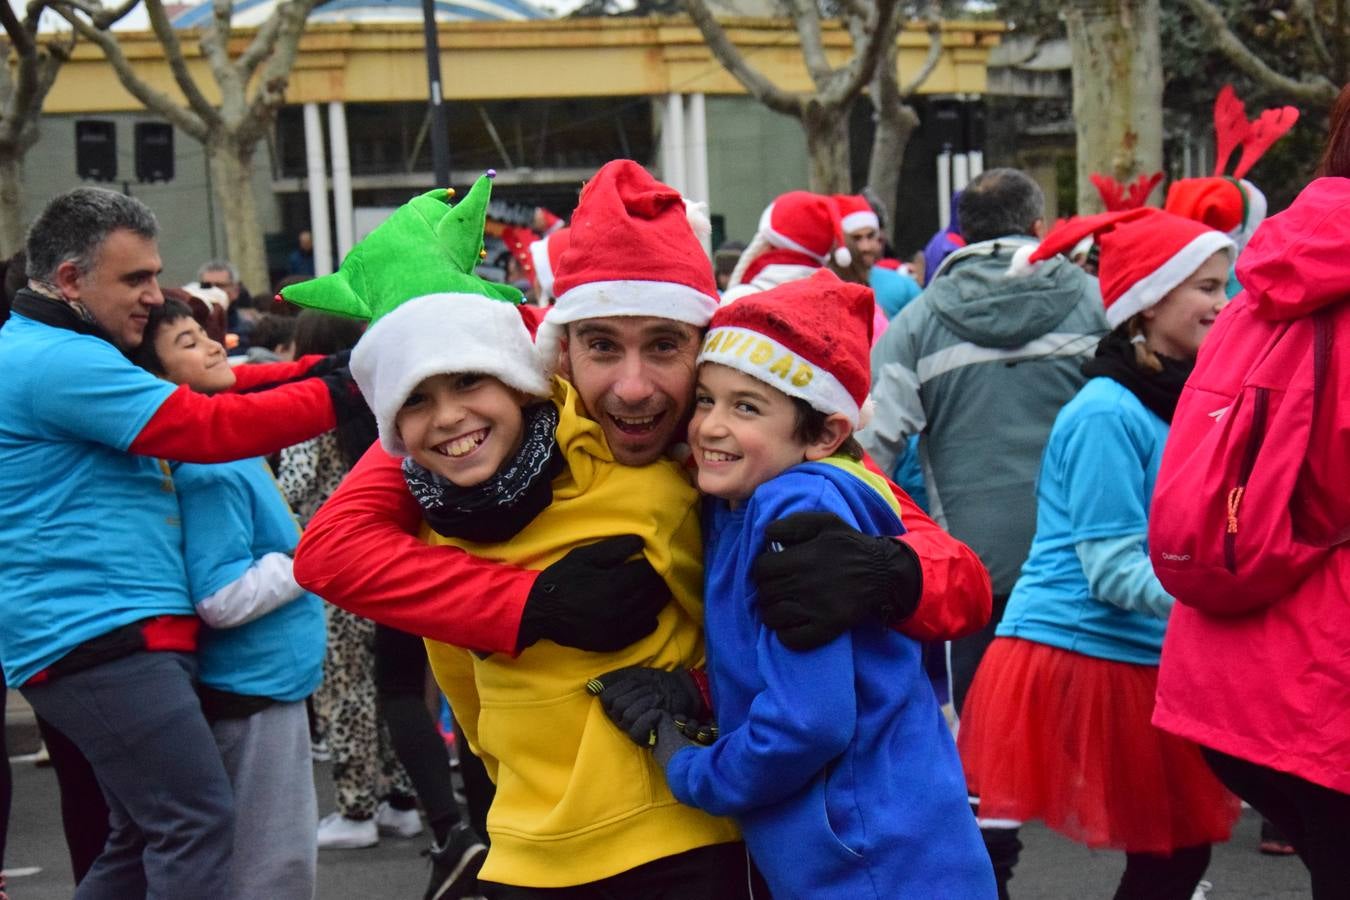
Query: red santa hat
855,213
797,228
635,250
809,338
544,256
1145,253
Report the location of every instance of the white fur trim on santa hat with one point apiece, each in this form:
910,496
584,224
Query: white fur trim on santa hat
441,334
1153,287
765,359
602,299
543,269
857,221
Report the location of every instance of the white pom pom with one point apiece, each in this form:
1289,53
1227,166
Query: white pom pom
696,214
866,411
1021,262
842,258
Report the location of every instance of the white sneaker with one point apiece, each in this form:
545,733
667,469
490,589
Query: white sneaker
404,823
1202,891
337,832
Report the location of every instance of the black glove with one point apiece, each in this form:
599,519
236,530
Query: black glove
356,428
329,364
670,739
828,577
636,697
595,598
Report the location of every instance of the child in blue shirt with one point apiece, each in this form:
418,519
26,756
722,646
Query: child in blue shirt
261,653
836,763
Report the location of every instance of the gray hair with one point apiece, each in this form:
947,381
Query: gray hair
217,265
74,225
999,203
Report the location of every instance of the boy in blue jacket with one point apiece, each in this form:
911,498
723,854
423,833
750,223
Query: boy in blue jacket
262,651
836,762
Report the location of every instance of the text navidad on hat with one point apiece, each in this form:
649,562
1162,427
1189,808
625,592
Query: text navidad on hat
808,338
413,279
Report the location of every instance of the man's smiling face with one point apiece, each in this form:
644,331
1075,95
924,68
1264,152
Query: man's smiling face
635,376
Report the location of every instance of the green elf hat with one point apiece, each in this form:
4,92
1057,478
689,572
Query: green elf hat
412,278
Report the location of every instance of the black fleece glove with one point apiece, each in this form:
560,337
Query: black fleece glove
356,428
595,598
636,697
329,364
828,577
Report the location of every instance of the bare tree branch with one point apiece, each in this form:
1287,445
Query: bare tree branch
271,88
1305,10
855,10
152,99
807,19
760,88
850,80
173,55
18,34
1317,90
258,49
214,44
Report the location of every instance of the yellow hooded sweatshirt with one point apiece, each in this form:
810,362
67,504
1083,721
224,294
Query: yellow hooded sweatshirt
577,801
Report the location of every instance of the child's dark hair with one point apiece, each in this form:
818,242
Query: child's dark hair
272,331
809,426
325,333
169,312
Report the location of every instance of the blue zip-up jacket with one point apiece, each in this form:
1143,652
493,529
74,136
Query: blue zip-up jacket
836,763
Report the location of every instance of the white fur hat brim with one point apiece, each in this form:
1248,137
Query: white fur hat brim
441,334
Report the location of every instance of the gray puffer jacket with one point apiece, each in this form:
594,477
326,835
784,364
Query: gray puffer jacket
979,365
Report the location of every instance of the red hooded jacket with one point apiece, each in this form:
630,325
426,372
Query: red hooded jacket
1269,682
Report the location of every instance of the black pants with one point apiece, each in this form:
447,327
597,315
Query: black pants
400,683
967,652
1315,819
719,872
1150,876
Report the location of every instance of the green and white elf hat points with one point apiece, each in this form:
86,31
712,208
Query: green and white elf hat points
413,279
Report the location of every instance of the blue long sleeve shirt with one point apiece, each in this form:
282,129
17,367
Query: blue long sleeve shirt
836,763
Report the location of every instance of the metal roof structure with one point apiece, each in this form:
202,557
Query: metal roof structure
252,13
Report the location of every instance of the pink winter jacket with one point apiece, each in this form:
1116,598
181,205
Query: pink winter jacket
1272,685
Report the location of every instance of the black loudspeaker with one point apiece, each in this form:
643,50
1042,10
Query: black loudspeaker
96,149
154,151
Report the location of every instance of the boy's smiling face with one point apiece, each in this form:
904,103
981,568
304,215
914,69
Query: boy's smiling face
742,433
463,426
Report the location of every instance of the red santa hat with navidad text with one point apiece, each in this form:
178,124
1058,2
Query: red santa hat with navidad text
810,338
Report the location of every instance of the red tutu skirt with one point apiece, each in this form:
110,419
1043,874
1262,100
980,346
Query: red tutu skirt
1054,735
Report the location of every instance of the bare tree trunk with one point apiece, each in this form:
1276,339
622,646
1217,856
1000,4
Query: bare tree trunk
1117,91
896,122
827,147
232,180
12,222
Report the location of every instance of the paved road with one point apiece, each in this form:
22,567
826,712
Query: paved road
1052,868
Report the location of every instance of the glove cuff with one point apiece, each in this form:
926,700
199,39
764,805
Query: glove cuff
669,741
901,570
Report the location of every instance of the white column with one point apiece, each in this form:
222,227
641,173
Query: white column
672,143
976,163
342,178
960,171
318,192
696,138
944,186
